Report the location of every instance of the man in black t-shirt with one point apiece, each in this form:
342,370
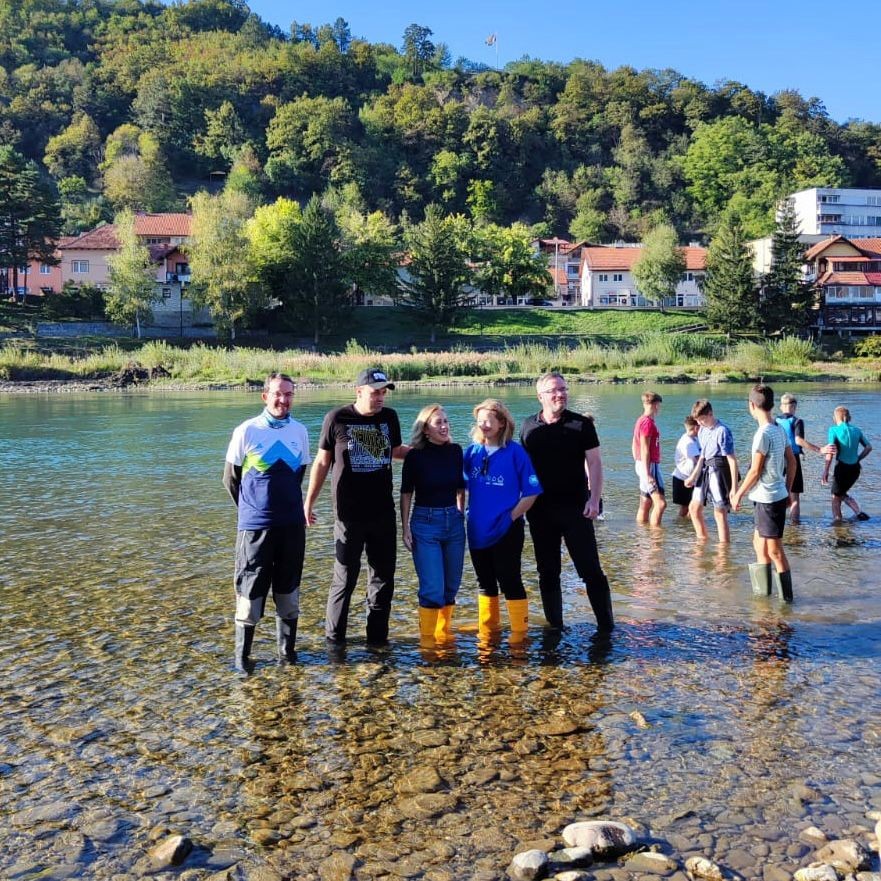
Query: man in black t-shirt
565,453
358,442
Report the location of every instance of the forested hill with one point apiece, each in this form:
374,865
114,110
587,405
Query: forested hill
135,104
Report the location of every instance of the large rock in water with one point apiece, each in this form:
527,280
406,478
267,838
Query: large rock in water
172,851
816,872
531,865
846,855
605,839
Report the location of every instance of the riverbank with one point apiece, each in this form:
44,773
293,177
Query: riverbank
653,358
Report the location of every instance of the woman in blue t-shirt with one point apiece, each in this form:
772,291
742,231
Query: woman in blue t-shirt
434,528
847,440
502,487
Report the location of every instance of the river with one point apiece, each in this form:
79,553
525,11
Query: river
720,723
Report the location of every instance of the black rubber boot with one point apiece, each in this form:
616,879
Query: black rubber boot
286,636
244,638
552,606
601,602
783,584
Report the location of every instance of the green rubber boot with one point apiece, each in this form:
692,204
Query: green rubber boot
760,576
783,585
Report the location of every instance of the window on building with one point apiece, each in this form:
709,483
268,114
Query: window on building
45,269
829,198
872,200
182,268
79,266
158,240
603,276
166,293
617,277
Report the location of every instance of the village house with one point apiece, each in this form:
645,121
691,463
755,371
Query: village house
847,273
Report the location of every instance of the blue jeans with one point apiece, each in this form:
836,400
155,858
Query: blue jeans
438,554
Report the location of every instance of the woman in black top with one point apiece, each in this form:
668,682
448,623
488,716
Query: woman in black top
434,527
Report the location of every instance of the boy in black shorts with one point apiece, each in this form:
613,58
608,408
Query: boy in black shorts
768,482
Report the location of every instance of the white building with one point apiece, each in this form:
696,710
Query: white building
607,278
830,211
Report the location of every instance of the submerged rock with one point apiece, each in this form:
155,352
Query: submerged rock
605,839
701,867
816,872
653,863
574,857
846,855
531,865
171,851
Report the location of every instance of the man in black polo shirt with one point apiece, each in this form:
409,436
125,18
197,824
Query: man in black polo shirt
563,446
359,442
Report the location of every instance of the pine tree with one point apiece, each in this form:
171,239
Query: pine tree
787,301
438,271
730,286
317,290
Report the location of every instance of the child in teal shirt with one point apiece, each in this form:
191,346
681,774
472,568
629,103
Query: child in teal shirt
847,440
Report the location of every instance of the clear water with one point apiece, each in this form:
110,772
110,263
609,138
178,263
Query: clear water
722,723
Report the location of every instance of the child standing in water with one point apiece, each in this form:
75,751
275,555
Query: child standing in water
685,457
847,440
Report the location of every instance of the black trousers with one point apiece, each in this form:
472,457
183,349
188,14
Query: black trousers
378,538
498,566
550,525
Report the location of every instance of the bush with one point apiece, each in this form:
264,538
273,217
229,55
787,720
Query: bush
76,301
870,347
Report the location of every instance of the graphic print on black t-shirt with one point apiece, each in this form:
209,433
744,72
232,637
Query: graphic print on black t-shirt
369,447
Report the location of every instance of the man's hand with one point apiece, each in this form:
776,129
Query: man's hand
592,509
311,519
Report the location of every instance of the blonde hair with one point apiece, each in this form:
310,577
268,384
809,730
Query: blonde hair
417,435
504,416
842,413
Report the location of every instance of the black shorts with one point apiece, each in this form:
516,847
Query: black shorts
770,518
844,477
798,482
681,493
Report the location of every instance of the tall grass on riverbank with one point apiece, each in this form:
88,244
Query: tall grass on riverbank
695,355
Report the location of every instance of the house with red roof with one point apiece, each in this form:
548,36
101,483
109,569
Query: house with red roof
607,280
847,273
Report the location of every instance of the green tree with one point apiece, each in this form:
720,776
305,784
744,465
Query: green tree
660,265
370,252
76,151
317,293
418,48
438,271
787,299
224,278
136,173
29,214
224,133
730,287
271,235
508,265
133,289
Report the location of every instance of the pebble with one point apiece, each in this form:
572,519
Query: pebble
813,835
576,857
701,867
572,875
653,863
846,855
339,866
530,865
605,839
171,851
816,872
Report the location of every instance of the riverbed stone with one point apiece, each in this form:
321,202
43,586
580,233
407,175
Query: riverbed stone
771,872
701,867
529,865
605,839
54,812
171,851
652,863
576,857
339,866
846,855
428,805
421,779
572,875
816,872
813,835
560,727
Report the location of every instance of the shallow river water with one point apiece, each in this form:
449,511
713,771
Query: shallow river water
721,724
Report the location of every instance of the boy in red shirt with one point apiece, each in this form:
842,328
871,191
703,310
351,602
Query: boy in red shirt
647,462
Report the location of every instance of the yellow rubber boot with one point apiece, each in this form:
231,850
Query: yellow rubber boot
444,630
427,625
488,620
518,613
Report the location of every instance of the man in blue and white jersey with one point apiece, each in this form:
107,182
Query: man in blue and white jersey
265,464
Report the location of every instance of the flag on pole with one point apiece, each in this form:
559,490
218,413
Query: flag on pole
491,40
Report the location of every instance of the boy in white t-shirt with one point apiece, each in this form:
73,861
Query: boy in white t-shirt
685,458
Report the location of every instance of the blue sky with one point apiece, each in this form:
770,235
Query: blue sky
821,49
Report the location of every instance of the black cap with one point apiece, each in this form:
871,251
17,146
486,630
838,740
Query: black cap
375,378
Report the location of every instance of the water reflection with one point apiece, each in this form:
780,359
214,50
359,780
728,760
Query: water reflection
708,715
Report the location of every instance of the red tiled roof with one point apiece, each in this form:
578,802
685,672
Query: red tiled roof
874,278
850,278
163,224
815,250
870,247
560,276
102,238
615,257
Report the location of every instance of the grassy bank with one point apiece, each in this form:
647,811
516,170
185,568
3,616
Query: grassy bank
655,357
